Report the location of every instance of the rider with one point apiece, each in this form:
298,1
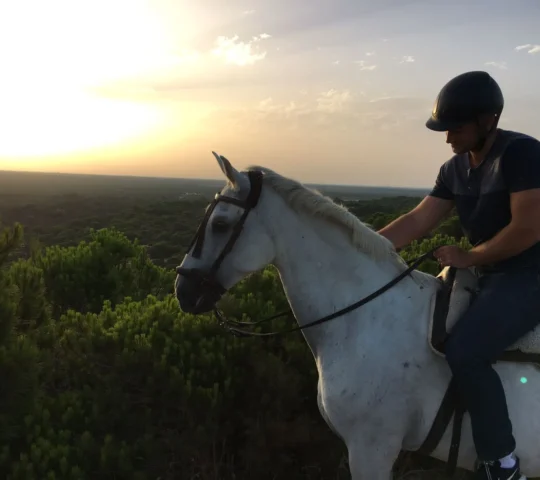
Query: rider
493,181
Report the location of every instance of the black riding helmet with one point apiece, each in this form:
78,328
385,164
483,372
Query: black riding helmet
463,99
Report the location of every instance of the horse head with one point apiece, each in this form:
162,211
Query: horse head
231,242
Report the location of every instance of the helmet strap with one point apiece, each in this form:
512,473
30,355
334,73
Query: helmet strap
484,135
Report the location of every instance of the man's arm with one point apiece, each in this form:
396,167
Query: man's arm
522,175
521,233
424,217
418,222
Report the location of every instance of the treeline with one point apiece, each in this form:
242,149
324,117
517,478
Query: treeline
163,226
102,376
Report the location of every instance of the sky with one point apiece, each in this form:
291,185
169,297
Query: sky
322,91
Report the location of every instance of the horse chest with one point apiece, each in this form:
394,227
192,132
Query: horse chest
356,393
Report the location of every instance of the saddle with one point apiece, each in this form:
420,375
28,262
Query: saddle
457,289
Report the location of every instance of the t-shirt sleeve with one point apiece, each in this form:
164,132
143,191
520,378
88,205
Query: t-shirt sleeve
441,189
521,165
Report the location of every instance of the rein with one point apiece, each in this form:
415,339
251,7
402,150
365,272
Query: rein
230,324
208,283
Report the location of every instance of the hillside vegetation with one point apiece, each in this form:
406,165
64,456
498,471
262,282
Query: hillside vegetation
103,377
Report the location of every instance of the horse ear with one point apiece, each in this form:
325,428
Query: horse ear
237,179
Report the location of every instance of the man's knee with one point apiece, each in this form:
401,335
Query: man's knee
460,354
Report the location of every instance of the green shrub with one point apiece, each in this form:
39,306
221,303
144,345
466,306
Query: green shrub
104,377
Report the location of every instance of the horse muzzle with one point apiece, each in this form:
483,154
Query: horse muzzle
196,291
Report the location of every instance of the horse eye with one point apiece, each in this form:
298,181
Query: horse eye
219,226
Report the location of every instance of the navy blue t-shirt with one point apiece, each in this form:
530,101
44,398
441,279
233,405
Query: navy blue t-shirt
482,194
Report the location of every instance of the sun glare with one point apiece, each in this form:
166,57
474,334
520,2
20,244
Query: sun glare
69,121
55,55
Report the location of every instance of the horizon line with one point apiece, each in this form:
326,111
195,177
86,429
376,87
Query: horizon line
201,179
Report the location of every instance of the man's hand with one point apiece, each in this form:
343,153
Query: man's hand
453,256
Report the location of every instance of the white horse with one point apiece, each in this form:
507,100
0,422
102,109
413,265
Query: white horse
380,383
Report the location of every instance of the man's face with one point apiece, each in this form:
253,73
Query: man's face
464,138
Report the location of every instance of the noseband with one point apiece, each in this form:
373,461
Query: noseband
207,281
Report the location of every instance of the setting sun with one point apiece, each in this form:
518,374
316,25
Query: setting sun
55,58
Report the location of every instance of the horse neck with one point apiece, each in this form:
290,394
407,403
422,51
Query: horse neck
322,272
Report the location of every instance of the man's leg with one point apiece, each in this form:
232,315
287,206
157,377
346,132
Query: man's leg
507,307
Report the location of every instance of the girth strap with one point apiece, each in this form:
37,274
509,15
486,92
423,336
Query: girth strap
451,405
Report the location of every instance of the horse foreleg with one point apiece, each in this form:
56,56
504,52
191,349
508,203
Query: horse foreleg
372,460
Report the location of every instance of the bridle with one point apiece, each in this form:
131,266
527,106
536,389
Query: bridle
214,290
208,281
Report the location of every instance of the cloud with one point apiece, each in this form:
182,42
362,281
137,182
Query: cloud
333,101
370,54
382,99
529,47
187,70
237,52
407,59
341,110
501,65
304,113
328,102
248,12
363,66
268,108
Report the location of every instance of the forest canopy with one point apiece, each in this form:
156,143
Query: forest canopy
102,376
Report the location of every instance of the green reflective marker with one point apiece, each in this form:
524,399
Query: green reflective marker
523,380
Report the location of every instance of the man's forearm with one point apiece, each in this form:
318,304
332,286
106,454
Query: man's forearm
510,241
402,231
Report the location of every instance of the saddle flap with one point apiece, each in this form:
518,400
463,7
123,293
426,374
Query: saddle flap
457,289
463,287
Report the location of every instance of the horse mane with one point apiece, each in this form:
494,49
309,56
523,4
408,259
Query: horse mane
304,199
